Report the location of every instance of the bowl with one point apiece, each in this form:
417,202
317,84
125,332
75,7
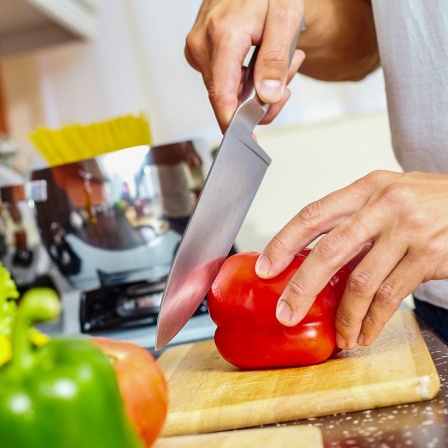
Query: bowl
119,217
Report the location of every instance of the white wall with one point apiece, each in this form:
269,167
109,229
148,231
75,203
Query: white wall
309,162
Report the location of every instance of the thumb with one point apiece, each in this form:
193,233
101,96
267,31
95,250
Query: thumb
272,64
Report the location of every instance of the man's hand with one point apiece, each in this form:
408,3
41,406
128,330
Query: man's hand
394,229
224,32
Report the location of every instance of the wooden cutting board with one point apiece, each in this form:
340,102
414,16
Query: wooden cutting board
207,394
282,437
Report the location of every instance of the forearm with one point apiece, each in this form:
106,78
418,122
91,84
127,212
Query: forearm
340,40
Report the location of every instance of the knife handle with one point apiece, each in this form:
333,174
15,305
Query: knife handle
248,90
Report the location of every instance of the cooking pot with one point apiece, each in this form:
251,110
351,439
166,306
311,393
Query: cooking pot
119,217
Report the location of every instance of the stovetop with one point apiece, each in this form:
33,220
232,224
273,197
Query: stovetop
197,328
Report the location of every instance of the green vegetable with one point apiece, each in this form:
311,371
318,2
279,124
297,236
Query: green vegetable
8,308
63,394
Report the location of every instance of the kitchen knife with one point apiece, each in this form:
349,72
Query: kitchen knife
225,199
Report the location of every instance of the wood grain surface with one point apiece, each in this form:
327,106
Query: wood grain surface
282,437
207,394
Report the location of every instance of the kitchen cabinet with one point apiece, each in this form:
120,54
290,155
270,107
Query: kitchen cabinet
27,25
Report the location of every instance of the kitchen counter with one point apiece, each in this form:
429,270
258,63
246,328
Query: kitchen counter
418,425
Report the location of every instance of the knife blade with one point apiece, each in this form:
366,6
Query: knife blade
225,199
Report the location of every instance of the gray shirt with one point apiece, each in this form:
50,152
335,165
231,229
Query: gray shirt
413,43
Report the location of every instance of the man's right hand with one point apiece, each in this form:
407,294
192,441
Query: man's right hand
220,39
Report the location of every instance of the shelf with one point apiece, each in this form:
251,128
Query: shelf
28,25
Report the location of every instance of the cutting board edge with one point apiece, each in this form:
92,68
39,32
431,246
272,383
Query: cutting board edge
310,437
177,425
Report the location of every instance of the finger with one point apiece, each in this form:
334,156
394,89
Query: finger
330,253
271,68
223,79
315,219
401,282
191,56
219,55
362,285
297,61
358,258
274,109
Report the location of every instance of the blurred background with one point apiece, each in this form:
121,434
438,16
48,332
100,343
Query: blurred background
71,63
89,60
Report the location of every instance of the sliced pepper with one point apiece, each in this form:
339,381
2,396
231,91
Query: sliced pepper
248,334
63,394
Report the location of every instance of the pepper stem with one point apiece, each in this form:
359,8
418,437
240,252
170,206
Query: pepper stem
37,305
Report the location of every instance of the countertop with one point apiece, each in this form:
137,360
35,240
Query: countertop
417,425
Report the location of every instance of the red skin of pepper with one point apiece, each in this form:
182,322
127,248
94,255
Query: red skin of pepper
142,385
248,334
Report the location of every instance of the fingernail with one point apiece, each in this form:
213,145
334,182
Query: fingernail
263,266
284,312
271,90
361,339
341,342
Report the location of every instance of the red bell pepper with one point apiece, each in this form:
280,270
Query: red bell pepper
248,334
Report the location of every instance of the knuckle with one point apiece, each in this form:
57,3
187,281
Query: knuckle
371,328
386,294
191,41
312,214
355,227
213,90
417,220
397,193
277,245
375,177
360,282
370,324
284,17
275,57
343,322
216,27
294,288
217,94
192,51
402,195
329,247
